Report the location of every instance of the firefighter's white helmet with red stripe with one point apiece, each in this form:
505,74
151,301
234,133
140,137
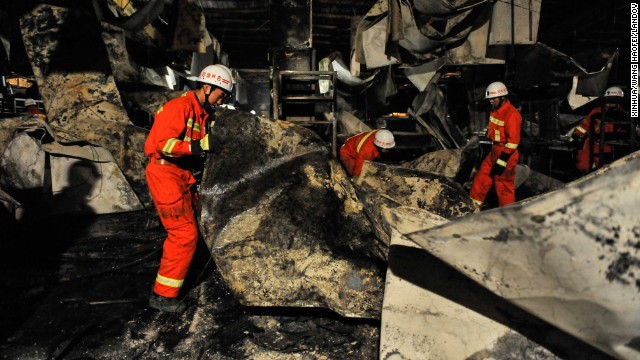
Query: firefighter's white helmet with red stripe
496,89
384,139
217,75
614,91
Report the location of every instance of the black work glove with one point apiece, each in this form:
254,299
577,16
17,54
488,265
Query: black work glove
500,165
577,141
205,145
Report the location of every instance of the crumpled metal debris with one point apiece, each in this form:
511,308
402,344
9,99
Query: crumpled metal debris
570,257
283,222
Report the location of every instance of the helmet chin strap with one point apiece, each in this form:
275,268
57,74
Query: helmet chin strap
207,106
499,104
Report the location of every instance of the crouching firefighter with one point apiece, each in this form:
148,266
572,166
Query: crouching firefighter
499,167
176,144
366,146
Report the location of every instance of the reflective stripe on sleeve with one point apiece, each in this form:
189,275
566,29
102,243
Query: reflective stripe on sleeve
501,162
496,121
168,147
511,146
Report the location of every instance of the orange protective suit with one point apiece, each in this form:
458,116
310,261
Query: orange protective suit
169,178
504,130
356,150
33,110
593,119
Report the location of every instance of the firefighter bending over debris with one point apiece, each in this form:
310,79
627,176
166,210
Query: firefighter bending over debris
364,146
612,109
499,167
176,144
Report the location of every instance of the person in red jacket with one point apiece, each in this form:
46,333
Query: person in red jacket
176,143
499,166
364,146
613,109
32,108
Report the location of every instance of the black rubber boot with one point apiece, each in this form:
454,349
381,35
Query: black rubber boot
165,304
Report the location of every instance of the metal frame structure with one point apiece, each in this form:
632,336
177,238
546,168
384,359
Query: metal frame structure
309,89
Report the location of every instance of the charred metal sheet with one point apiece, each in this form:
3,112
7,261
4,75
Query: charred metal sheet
22,163
442,8
64,179
539,65
431,311
79,185
10,126
291,24
344,76
350,124
185,32
10,211
430,110
141,89
133,18
283,223
82,101
474,50
190,32
570,257
422,75
381,186
370,39
515,22
396,23
123,69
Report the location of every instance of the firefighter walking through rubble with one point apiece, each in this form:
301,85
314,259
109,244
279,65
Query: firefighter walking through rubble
366,146
176,144
499,166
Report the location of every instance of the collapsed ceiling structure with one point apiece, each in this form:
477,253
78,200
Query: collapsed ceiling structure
278,200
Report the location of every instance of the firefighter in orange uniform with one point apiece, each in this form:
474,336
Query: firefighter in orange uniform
32,108
613,109
177,141
499,167
364,146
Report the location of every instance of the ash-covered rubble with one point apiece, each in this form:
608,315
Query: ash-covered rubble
299,250
274,197
81,291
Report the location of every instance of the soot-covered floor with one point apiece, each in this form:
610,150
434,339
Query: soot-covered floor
77,288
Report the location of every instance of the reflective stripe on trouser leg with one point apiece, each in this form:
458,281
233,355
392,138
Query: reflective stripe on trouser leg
505,183
169,188
178,248
482,182
477,203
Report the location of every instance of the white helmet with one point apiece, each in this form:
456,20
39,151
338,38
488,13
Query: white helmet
29,102
614,91
217,75
384,139
496,89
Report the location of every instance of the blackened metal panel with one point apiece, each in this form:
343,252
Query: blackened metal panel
291,24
